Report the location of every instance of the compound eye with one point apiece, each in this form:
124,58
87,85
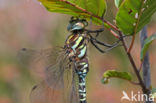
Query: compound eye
85,23
80,24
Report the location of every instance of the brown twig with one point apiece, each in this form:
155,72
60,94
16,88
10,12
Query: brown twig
114,33
131,45
144,89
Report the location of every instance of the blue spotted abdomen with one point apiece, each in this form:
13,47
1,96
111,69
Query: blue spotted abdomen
82,70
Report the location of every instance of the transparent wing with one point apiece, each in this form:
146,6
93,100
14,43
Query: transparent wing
49,62
74,94
38,59
43,93
55,73
60,83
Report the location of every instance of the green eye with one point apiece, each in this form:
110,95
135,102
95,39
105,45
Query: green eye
85,23
77,24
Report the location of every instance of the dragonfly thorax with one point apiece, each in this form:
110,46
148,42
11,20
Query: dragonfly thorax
76,46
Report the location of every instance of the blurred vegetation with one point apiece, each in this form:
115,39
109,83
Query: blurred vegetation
28,24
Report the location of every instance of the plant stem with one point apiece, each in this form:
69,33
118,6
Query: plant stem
134,66
131,45
145,63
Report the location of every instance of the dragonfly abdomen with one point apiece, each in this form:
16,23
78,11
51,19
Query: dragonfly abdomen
82,70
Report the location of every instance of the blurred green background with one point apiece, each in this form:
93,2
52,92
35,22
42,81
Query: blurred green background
26,23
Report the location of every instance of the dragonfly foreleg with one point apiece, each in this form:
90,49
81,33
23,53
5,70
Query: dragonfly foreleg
96,46
105,44
94,42
95,31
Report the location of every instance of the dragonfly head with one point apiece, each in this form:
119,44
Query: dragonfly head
76,24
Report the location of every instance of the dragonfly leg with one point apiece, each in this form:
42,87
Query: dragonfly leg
106,50
94,42
102,43
97,47
95,31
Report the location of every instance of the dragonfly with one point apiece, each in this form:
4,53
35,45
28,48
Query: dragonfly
66,72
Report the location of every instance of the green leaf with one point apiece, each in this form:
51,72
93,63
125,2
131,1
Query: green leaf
115,74
82,8
147,43
133,15
154,92
118,3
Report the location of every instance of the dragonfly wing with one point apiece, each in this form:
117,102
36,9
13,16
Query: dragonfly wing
59,88
74,90
42,93
31,57
52,89
73,96
60,83
55,73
